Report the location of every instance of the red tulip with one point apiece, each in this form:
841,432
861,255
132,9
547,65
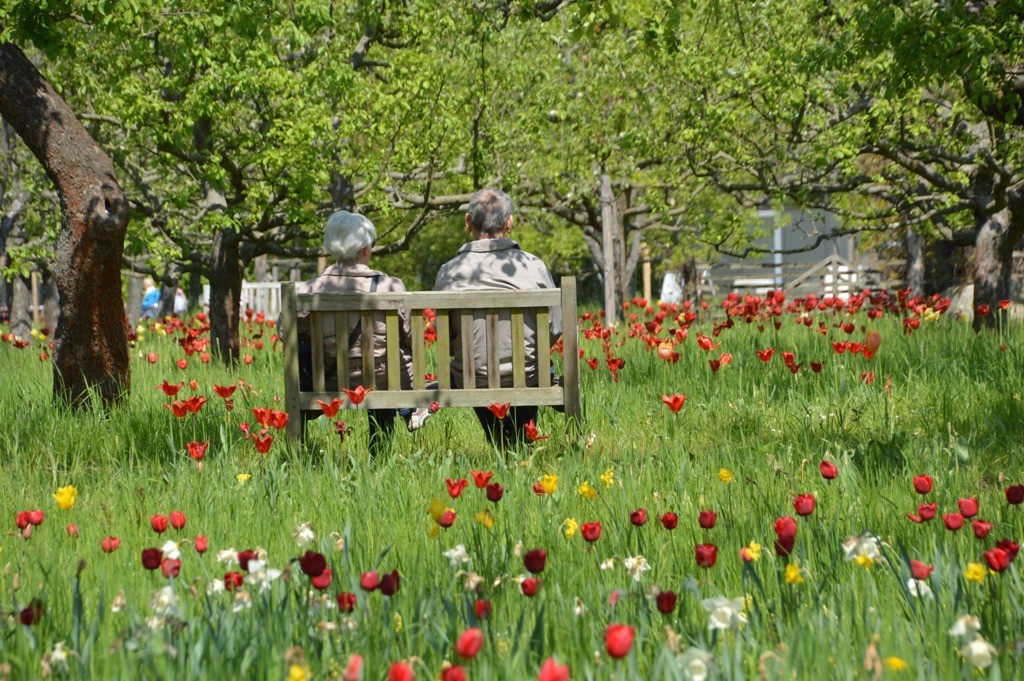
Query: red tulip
263,443
261,414
400,671
874,341
36,518
469,643
389,583
323,580
1011,548
591,531
674,402
200,544
1015,494
534,560
997,559
670,520
447,518
532,434
356,395
278,419
530,586
804,504
482,608
151,558
170,389
331,410
159,523
666,602
197,450
224,391
152,357
1004,304
110,544
313,564
179,409
499,410
22,520
817,366
968,507
495,491
828,470
638,517
455,487
785,528
178,519
552,671
369,580
346,601
72,530
981,528
31,614
481,478
766,354
706,519
453,673
706,555
923,484
233,580
183,364
928,511
244,556
618,639
920,571
983,310
953,521
170,567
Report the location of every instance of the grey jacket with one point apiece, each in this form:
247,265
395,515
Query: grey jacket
357,279
496,264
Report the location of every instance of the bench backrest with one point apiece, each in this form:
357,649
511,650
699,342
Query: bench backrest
448,306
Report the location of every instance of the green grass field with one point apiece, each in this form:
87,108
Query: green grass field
750,438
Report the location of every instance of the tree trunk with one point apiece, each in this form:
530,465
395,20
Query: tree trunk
914,279
225,294
993,261
261,269
51,302
21,308
195,291
133,304
90,346
611,311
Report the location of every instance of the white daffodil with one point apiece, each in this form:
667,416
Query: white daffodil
216,586
228,556
637,566
919,589
695,664
457,555
865,547
58,656
303,535
170,550
724,613
260,576
165,602
608,564
979,653
243,601
579,608
119,602
966,628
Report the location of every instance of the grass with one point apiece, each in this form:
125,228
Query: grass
944,401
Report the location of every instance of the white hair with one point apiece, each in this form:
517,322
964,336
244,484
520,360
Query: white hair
346,234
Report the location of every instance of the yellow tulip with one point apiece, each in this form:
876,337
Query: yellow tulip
66,496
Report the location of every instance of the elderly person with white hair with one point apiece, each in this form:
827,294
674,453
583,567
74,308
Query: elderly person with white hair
350,237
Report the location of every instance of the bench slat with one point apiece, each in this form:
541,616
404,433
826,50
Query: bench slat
292,397
518,349
316,339
570,354
394,356
341,349
419,351
543,348
366,343
421,300
387,399
493,347
468,358
444,349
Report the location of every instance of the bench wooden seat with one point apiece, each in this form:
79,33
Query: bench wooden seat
447,306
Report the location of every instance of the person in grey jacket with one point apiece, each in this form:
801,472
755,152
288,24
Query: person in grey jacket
349,237
493,260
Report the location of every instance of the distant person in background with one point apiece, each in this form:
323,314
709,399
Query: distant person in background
180,303
150,299
349,238
493,260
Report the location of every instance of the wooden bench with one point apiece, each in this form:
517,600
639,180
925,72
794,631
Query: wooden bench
447,306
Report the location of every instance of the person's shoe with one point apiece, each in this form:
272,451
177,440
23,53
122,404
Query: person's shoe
417,418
